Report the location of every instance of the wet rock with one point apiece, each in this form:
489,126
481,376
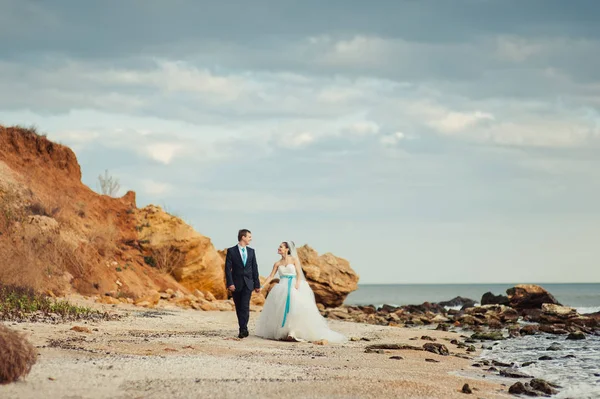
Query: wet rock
531,329
554,347
520,389
546,358
394,347
528,364
543,386
552,329
501,364
490,299
576,336
458,301
432,361
511,373
489,336
439,349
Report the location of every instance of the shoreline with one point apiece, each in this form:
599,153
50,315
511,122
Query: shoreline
175,352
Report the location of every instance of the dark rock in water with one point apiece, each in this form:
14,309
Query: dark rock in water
458,301
436,348
476,365
570,357
546,358
489,336
510,373
543,386
492,369
576,335
520,389
596,374
529,296
466,389
443,327
490,299
471,348
554,347
528,364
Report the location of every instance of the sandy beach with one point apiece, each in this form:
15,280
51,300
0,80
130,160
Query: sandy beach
178,353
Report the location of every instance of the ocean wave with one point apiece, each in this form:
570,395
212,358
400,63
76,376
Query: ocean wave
587,309
575,366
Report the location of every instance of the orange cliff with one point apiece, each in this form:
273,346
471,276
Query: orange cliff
57,234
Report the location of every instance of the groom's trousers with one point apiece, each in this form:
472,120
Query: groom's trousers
241,298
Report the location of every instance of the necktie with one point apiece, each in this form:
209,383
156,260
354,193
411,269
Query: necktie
244,257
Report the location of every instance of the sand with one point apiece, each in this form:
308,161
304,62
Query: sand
178,353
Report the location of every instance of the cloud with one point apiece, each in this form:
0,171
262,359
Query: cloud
155,188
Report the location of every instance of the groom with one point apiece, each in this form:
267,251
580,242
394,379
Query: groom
241,271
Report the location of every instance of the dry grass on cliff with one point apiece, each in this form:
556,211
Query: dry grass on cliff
167,259
35,255
17,355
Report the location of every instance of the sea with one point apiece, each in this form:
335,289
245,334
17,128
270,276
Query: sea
575,366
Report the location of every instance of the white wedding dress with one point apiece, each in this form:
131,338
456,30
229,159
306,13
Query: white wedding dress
302,319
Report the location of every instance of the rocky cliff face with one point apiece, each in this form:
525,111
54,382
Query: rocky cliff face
57,234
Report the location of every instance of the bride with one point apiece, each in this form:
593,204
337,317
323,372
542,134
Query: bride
290,311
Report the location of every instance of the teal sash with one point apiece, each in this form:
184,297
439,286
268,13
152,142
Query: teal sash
287,301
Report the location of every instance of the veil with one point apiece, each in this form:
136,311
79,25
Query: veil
292,247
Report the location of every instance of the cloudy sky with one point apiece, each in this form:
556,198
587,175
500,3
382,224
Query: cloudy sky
425,141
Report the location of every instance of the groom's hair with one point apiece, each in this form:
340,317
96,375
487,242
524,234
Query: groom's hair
243,233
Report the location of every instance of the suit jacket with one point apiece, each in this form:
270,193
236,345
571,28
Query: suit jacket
237,274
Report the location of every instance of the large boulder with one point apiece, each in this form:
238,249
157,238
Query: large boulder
330,277
490,299
176,248
529,296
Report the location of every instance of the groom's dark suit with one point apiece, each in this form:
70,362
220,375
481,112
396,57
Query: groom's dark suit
245,279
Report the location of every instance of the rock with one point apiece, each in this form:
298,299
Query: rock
554,347
490,299
370,350
489,336
510,373
81,329
531,329
428,338
466,389
436,348
543,386
552,330
544,358
528,364
321,342
432,361
520,389
501,364
529,296
458,301
149,300
175,246
576,335
331,278
396,358
558,310
394,347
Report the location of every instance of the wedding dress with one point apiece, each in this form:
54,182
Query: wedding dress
291,312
